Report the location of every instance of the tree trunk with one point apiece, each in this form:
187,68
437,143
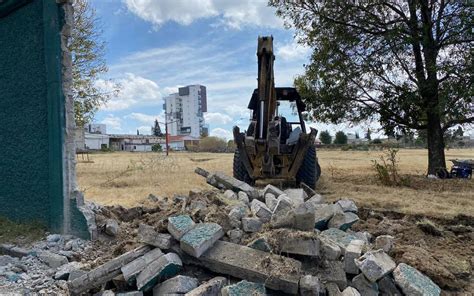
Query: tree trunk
436,158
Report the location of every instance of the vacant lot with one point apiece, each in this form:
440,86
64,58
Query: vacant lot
128,178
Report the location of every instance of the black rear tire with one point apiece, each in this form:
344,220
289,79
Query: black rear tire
240,172
310,171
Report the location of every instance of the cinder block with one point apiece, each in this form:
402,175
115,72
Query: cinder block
310,286
353,251
413,282
343,221
260,210
148,235
132,269
164,267
201,238
375,264
177,285
179,225
251,224
209,288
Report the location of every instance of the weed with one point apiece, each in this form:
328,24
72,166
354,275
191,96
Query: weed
387,169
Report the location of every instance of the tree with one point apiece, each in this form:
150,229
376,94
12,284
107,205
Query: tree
357,135
325,137
88,63
156,129
407,64
340,138
156,148
367,134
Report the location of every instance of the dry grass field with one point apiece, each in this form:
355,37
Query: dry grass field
128,178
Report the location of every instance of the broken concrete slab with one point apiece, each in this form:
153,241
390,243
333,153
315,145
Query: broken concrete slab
229,194
236,214
244,288
51,259
260,244
384,242
347,205
341,238
260,210
271,201
387,286
235,235
105,272
63,271
343,220
179,225
75,273
349,291
200,238
324,213
364,286
179,284
234,184
353,251
164,267
209,288
132,269
243,197
304,217
375,264
131,293
273,190
332,290
148,235
413,282
283,206
251,224
333,272
111,227
310,286
277,272
306,245
329,249
14,251
296,195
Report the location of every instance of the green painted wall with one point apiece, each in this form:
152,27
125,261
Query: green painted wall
32,118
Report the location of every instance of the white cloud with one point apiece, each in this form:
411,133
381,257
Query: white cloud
292,51
113,123
217,118
135,90
221,133
144,118
232,13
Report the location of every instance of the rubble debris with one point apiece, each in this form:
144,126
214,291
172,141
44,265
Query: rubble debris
304,217
179,284
227,182
63,272
271,201
375,264
180,225
273,190
229,194
111,227
236,214
14,251
148,235
349,291
201,238
244,288
413,282
324,213
301,244
387,286
283,206
131,293
251,224
347,205
277,272
310,286
333,290
243,197
235,235
329,249
316,199
343,220
296,195
260,210
105,272
53,260
384,242
353,251
260,244
209,288
341,238
333,272
364,286
132,269
164,267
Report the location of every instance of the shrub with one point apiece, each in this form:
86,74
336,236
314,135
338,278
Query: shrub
387,169
325,137
212,144
376,141
156,148
340,138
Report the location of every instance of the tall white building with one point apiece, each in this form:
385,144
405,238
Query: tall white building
184,111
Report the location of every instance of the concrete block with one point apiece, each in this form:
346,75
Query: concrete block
310,286
14,251
347,205
131,293
75,273
179,225
111,227
201,238
341,238
387,286
53,238
277,272
236,214
251,224
260,210
297,195
51,259
148,235
235,235
64,270
364,286
413,282
332,290
384,242
324,213
243,197
316,199
132,269
349,291
283,221
244,288
229,194
283,206
329,249
353,251
375,265
234,184
260,244
273,190
333,272
304,217
301,245
209,288
271,201
343,221
177,285
164,267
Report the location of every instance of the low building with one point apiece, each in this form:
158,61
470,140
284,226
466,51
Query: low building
138,143
96,141
181,143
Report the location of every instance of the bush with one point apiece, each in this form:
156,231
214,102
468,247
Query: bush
212,144
387,169
340,138
156,148
325,137
376,141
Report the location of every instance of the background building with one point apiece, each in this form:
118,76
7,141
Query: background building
184,111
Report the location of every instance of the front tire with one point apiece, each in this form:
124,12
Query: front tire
240,172
310,171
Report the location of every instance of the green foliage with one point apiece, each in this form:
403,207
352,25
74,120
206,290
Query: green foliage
156,148
156,129
387,169
376,141
212,144
325,137
88,63
340,138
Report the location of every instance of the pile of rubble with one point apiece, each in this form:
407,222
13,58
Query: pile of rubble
236,241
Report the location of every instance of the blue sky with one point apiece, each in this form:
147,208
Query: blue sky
155,46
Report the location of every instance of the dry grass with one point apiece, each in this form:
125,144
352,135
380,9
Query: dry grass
128,178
